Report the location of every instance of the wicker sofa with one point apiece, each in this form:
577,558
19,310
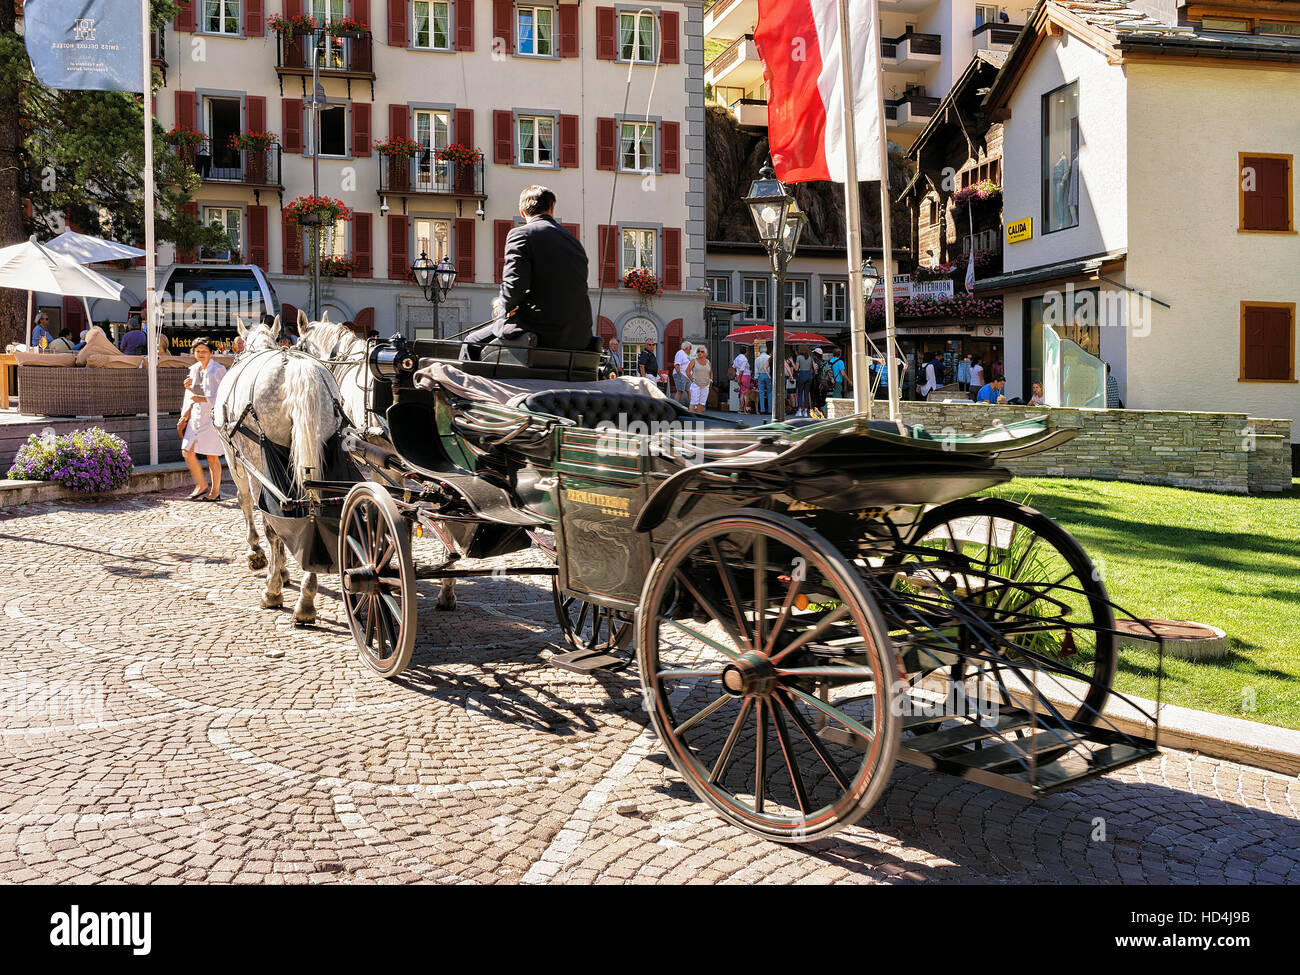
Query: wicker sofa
77,391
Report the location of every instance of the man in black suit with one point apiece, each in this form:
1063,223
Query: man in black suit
544,283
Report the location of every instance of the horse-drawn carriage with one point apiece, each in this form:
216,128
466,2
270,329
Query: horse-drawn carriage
805,602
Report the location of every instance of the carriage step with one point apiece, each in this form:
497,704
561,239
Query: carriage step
587,661
1074,768
964,734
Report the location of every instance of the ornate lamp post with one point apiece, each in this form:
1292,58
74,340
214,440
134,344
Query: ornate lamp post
779,222
435,280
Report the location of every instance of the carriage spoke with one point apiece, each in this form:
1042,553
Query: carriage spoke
833,713
813,740
690,723
362,557
760,755
831,672
760,588
784,616
697,635
370,620
733,595
813,633
791,762
717,615
720,766
677,673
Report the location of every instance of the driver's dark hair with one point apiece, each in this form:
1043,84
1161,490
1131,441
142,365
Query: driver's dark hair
536,199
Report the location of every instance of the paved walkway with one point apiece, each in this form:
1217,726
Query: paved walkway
156,725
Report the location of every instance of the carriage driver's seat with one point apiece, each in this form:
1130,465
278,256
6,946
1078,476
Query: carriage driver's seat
589,408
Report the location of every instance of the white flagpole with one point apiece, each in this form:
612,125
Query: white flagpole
886,236
152,325
853,221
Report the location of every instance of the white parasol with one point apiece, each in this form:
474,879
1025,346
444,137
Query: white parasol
32,267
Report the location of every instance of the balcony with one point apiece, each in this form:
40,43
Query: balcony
910,113
349,58
996,37
158,51
421,175
730,18
738,66
911,53
260,170
751,112
904,6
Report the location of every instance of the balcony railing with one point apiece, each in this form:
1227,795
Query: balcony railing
422,174
921,106
729,56
917,44
338,57
996,33
221,164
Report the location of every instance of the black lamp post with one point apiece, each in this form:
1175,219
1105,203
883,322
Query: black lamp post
871,278
435,280
779,222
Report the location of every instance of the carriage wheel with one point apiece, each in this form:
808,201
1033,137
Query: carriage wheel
771,688
377,578
587,626
1036,589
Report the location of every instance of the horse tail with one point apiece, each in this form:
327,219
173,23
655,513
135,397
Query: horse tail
309,414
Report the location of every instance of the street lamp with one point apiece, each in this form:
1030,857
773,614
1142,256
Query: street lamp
870,278
779,222
435,280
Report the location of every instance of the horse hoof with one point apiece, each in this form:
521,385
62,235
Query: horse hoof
301,618
284,575
256,560
272,602
446,607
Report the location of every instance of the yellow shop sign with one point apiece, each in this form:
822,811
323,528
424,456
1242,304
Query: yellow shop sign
1019,230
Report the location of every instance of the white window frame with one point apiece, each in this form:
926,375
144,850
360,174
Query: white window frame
835,309
347,131
415,33
714,279
793,287
640,238
986,13
434,240
534,10
641,19
225,6
223,212
435,173
334,240
647,157
536,162
749,296
332,58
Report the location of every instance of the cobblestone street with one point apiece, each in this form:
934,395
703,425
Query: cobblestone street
159,726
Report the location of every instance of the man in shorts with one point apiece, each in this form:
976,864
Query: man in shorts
681,382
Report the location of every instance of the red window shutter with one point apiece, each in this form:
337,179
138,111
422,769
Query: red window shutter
73,317
187,109
605,329
605,34
292,8
363,245
606,144
291,110
1267,343
399,121
191,210
464,25
397,28
669,147
291,251
361,128
254,19
608,247
288,314
258,240
361,11
365,319
464,250
672,342
185,19
569,30
500,230
255,113
1268,205
503,22
672,259
462,126
568,140
668,37
399,262
503,137
573,228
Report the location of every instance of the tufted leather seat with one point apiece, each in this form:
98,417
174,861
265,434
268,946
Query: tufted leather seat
589,409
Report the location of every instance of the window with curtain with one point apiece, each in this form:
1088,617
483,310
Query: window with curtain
334,239
432,237
638,249
834,300
796,301
536,140
431,25
228,219
535,31
755,291
1061,158
719,288
333,52
221,16
432,132
637,146
636,36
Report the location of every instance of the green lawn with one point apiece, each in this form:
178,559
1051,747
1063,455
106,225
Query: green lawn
1228,560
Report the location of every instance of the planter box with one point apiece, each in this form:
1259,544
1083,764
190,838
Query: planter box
77,391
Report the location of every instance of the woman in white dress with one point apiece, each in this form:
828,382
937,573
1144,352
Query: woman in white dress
198,433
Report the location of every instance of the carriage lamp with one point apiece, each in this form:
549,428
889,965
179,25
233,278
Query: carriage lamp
870,278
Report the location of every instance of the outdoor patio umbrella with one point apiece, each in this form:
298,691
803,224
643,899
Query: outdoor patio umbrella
31,267
763,333
85,249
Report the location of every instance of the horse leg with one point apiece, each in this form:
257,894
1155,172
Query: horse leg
446,596
256,557
272,598
305,611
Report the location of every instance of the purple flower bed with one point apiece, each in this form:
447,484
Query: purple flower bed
88,460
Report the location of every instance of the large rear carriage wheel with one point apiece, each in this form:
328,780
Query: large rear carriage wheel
377,578
768,675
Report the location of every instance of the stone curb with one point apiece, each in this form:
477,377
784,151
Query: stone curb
144,479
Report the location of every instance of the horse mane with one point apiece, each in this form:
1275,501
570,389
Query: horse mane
334,340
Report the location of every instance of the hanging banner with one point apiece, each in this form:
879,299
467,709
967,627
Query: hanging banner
92,45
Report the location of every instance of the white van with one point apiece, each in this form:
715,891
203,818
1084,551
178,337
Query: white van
205,300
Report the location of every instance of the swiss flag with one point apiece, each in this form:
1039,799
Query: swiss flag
799,41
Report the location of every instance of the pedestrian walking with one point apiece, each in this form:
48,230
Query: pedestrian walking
611,366
763,379
740,375
681,378
803,376
647,363
931,376
198,433
1113,402
700,373
976,374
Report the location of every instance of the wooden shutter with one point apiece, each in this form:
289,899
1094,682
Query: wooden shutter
605,329
399,121
606,144
606,36
365,319
255,113
503,22
399,261
73,317
291,249
397,28
186,18
669,147
291,110
259,251
569,30
607,237
500,230
187,109
462,126
464,25
363,245
1268,205
573,228
361,128
361,12
464,250
292,8
1267,347
191,210
669,46
672,342
254,19
672,263
503,137
288,314
568,140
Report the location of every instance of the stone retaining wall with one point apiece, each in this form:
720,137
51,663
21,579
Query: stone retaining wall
1230,452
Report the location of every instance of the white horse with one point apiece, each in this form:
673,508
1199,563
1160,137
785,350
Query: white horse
344,351
293,401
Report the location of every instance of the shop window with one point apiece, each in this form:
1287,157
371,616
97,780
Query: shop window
1060,158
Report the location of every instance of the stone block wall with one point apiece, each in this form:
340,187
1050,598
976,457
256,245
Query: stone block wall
1229,452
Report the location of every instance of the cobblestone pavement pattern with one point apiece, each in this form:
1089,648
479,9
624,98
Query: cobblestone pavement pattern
159,726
